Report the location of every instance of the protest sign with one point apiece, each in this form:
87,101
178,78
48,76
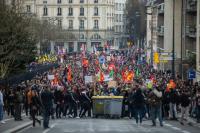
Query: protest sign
112,84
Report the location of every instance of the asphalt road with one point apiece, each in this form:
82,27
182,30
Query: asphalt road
110,126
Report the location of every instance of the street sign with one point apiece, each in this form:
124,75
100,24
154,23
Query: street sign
166,56
191,74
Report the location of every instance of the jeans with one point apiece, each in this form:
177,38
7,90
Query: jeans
156,111
184,113
198,113
1,112
173,111
46,117
139,113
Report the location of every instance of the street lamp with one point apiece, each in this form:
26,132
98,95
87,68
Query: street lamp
151,44
173,45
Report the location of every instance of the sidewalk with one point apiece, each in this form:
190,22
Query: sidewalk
13,126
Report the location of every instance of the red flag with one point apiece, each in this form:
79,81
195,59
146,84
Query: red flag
101,76
69,74
85,62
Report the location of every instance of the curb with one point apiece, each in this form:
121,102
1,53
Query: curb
19,128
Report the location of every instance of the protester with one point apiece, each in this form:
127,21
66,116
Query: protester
46,99
139,105
18,104
155,101
1,107
185,102
35,107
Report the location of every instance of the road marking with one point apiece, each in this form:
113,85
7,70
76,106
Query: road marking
13,130
52,126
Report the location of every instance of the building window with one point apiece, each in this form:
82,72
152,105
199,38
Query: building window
59,1
96,24
60,23
45,11
59,11
70,11
81,11
96,11
81,1
70,24
81,24
70,1
95,1
28,8
44,2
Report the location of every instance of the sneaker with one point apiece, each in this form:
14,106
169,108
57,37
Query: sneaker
3,122
77,117
70,116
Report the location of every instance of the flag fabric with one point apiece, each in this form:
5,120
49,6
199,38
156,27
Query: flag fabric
69,75
101,76
111,74
137,73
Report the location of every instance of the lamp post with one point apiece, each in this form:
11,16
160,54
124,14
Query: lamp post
173,45
151,44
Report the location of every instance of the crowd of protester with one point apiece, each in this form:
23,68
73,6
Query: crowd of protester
73,99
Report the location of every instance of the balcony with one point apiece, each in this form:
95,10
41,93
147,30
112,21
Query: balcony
191,31
160,30
161,9
191,6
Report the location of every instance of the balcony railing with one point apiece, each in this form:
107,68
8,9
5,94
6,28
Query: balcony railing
161,8
160,30
191,31
191,6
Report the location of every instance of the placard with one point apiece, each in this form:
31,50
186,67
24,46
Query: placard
88,79
112,84
107,78
50,77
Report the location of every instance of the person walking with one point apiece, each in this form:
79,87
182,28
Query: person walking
11,100
18,102
1,107
139,105
46,99
35,107
173,102
198,104
155,103
185,102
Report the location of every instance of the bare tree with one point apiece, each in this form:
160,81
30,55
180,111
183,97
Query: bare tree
17,43
136,19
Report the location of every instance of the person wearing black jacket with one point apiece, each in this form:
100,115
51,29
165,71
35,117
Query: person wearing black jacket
35,107
66,103
139,105
11,99
85,103
58,99
46,99
185,102
174,98
198,105
73,100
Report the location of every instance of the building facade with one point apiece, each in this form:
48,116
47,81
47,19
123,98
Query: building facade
89,22
119,24
185,32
